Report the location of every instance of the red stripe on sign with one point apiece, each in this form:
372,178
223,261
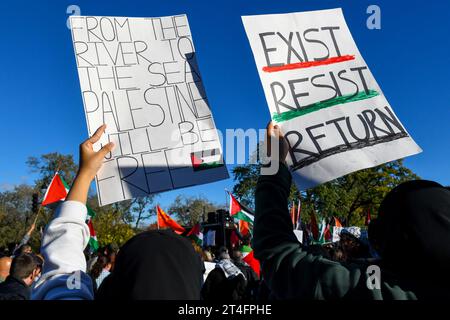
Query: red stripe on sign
309,64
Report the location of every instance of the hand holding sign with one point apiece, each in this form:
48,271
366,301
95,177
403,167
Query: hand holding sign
91,161
89,164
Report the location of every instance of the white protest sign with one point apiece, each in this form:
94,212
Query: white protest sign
322,94
139,76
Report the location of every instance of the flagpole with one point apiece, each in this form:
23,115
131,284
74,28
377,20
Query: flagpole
157,216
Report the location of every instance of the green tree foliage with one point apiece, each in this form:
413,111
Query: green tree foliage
16,216
190,210
113,223
348,198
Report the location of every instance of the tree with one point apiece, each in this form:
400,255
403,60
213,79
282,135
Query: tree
16,216
190,210
348,198
47,165
110,227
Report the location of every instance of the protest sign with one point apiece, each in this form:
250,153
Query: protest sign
139,76
322,94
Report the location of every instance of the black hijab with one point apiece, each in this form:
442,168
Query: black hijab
155,265
412,232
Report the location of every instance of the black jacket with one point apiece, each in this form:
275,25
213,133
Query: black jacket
291,271
218,287
14,289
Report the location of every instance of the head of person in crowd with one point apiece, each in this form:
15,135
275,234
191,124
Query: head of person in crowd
352,247
102,263
25,267
223,253
5,266
24,249
155,265
412,232
40,265
198,249
111,251
207,256
237,256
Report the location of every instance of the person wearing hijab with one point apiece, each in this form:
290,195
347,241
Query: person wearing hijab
411,236
151,265
155,265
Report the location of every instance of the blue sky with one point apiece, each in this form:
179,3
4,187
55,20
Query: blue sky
41,106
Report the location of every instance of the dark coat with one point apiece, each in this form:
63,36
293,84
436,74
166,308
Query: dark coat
218,287
14,289
292,271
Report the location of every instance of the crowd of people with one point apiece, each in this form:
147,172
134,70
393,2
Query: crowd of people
410,237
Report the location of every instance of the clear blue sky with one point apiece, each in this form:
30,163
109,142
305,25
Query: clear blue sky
41,107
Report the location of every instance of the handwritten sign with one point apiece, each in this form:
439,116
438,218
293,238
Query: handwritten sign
140,77
322,94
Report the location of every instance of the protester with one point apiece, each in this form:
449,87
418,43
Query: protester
110,251
155,265
100,270
23,246
17,286
225,282
207,256
410,234
151,265
251,287
5,266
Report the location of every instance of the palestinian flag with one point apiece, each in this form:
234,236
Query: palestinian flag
337,223
239,211
93,242
250,259
164,221
196,234
56,191
206,159
314,227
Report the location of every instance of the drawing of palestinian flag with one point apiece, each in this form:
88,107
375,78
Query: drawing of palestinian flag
56,191
196,234
206,159
239,211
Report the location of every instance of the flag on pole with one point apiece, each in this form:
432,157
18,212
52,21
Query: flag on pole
239,211
196,234
367,217
337,223
164,221
56,191
249,258
93,242
323,227
293,213
314,227
299,219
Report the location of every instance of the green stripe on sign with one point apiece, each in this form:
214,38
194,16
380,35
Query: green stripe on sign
291,114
